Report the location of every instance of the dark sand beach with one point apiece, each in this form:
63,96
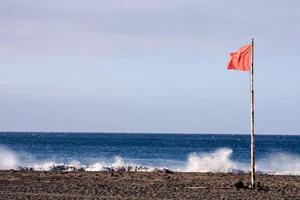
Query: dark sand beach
139,185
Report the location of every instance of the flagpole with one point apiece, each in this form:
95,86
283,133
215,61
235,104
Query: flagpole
252,117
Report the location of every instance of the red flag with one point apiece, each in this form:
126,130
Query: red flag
241,60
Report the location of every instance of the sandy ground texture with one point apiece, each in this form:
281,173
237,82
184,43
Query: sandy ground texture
139,186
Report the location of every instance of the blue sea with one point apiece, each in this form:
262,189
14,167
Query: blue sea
275,154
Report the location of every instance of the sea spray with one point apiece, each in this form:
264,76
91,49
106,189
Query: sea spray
220,160
44,166
95,167
280,163
8,159
217,161
118,164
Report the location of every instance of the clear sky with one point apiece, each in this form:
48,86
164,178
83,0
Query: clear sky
147,66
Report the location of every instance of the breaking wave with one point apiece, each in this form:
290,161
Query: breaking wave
216,161
220,161
8,159
280,164
118,164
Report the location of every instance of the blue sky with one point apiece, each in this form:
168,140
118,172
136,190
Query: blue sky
147,66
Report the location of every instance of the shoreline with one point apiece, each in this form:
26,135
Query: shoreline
142,185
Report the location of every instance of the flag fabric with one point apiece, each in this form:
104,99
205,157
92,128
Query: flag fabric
241,59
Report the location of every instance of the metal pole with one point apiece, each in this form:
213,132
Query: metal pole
252,118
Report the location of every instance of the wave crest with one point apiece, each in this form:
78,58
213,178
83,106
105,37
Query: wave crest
217,161
8,159
280,163
117,165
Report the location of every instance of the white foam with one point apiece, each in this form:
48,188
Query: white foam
95,167
280,163
220,161
8,159
118,163
75,164
44,166
217,161
48,165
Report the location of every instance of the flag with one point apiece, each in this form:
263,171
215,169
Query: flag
241,60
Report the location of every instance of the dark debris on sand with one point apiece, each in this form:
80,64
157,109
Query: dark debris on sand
142,186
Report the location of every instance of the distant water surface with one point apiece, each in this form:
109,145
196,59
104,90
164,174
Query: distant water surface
182,152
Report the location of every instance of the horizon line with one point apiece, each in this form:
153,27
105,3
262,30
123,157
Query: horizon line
165,133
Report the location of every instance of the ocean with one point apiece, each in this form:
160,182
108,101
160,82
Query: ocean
275,154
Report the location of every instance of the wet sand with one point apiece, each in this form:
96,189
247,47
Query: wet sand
141,186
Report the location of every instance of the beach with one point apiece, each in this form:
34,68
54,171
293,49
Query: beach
142,185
